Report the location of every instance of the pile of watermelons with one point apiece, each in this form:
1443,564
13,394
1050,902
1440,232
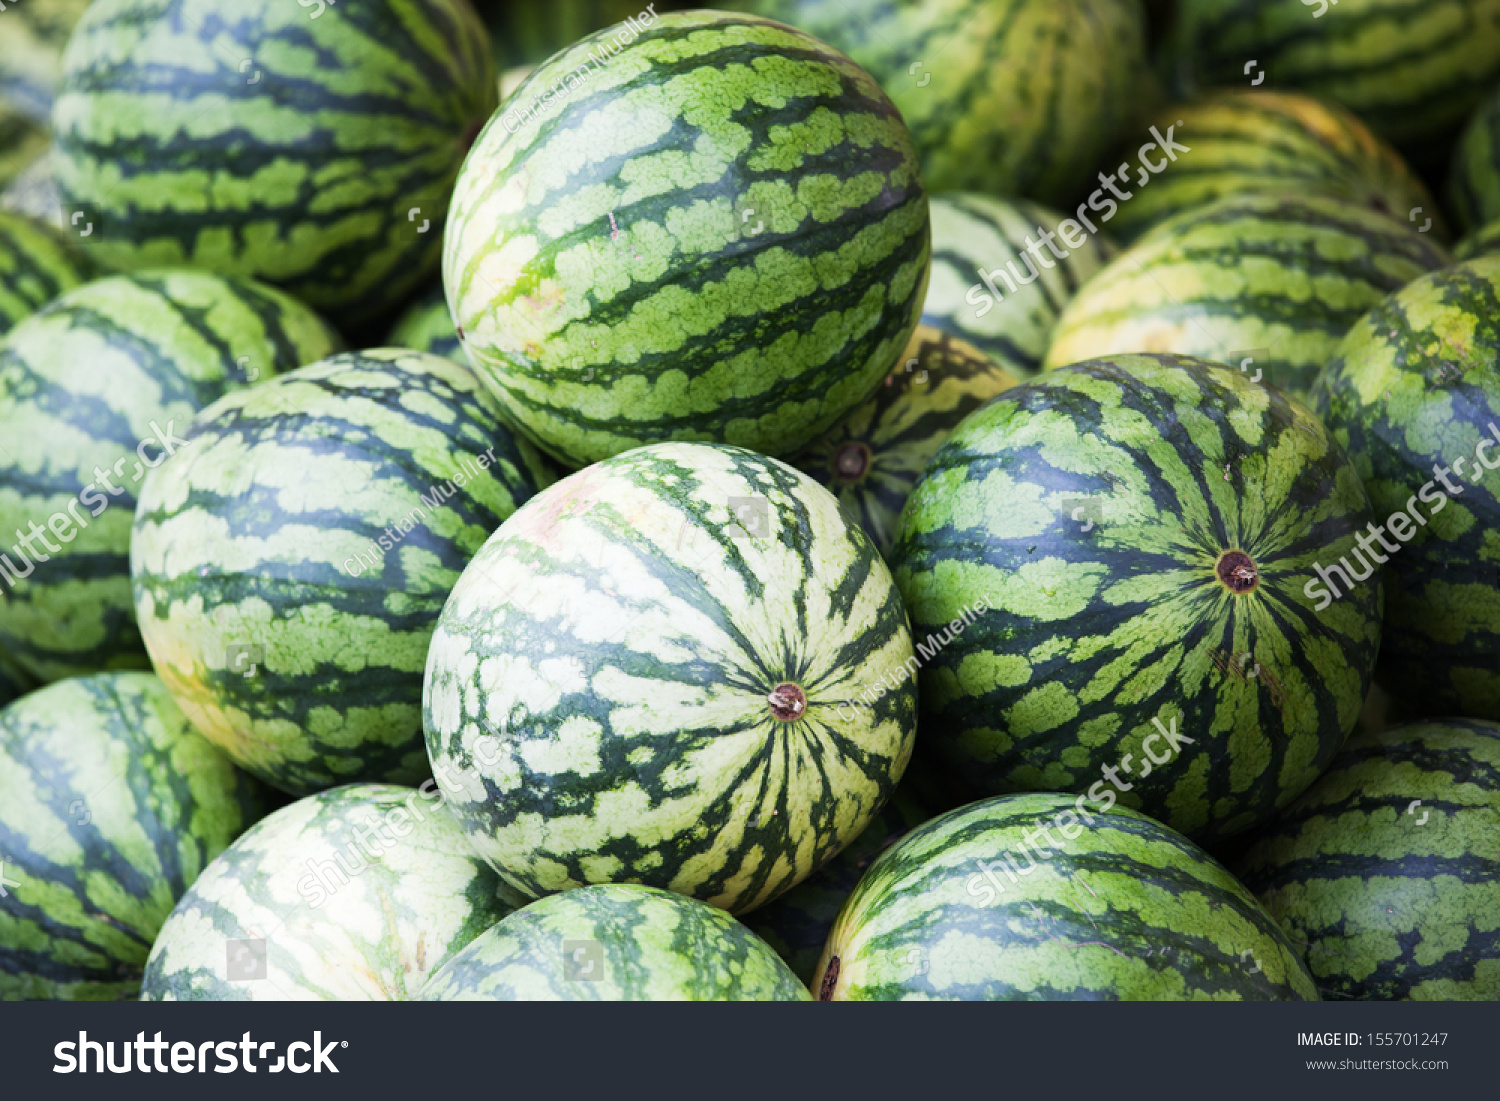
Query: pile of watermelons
947,499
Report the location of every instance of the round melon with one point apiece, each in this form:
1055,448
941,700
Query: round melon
37,263
672,252
427,327
1266,283
1029,898
111,805
797,924
361,893
616,943
871,459
1108,572
1413,394
97,389
291,559
1386,873
1252,141
313,146
1412,69
682,667
1002,270
1006,97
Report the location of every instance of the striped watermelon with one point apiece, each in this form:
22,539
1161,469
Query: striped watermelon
1276,279
797,924
356,894
37,263
616,943
681,667
290,562
1484,241
427,327
1255,141
1009,97
32,36
1001,274
673,253
1474,181
1110,906
1387,871
1414,389
111,804
313,149
872,458
1108,566
1412,69
95,390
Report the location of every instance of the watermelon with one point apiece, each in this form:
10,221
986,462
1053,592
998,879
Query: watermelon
314,150
32,36
1008,97
1267,283
616,943
1387,871
1110,906
111,804
290,562
797,924
358,893
95,390
1482,242
1412,69
1474,180
1105,568
427,327
872,458
1414,389
681,667
675,253
994,285
37,263
1254,141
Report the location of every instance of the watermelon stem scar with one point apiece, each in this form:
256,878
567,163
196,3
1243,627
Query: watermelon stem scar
1238,571
787,702
851,461
830,980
